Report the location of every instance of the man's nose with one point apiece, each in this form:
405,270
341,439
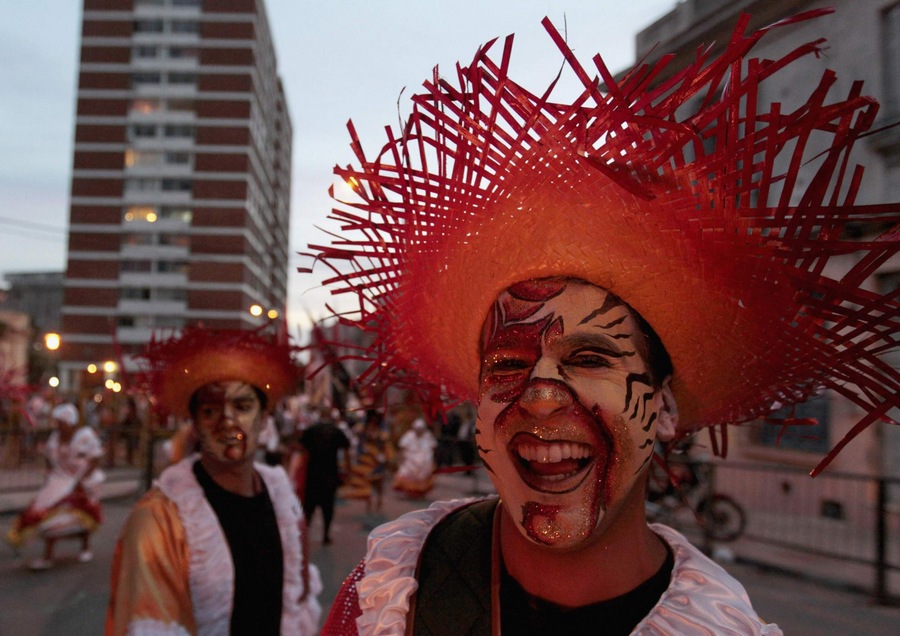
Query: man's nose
542,397
228,412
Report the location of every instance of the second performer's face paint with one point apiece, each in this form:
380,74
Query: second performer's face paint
228,421
567,413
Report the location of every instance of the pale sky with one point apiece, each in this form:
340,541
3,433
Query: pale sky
338,59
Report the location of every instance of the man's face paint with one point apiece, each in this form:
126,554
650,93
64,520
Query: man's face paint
566,414
228,421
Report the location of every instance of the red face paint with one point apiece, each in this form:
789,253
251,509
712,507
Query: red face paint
566,416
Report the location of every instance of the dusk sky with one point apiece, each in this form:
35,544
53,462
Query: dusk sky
339,60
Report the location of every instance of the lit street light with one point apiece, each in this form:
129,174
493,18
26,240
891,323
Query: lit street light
52,341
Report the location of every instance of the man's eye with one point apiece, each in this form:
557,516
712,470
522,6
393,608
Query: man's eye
506,366
243,405
587,360
209,411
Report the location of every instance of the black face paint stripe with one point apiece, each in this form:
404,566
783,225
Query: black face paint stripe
643,378
609,303
643,463
643,402
649,422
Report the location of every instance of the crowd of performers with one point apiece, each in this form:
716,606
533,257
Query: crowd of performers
403,451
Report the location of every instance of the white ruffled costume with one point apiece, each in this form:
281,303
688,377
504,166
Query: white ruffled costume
702,598
173,573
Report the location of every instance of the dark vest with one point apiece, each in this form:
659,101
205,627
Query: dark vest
454,575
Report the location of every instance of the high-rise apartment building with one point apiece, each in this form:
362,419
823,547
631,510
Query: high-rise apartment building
181,176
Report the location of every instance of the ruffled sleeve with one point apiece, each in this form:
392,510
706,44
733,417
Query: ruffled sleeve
390,569
149,588
702,598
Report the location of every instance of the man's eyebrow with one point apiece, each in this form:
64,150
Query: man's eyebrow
246,393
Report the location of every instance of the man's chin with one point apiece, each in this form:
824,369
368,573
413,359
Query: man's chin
556,528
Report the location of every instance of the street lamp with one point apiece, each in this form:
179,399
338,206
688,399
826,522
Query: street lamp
52,341
256,310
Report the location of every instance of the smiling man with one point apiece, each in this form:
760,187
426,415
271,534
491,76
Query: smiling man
217,546
570,408
599,275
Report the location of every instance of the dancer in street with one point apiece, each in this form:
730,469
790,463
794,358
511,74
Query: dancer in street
415,474
67,505
373,459
218,544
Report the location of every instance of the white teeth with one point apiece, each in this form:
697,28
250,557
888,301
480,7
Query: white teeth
552,453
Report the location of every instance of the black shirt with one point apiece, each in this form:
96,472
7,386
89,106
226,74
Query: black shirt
523,614
251,529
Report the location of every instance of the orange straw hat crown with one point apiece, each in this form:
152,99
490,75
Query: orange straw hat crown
179,365
682,199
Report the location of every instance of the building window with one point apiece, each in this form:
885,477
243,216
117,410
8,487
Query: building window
184,52
179,130
136,293
171,295
137,238
174,322
178,158
145,106
177,240
143,79
172,267
154,293
176,185
177,213
145,52
141,185
185,26
140,213
148,26
141,131
136,266
180,105
811,438
142,158
182,78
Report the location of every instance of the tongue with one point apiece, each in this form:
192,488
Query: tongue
563,467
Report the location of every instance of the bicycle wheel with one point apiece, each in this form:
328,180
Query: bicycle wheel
723,518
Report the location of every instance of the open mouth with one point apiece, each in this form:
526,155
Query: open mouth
556,466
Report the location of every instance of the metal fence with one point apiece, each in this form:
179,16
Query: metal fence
850,523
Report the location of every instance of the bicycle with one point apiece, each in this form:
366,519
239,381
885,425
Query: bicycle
685,484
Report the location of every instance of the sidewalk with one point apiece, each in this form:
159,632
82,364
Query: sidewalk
18,486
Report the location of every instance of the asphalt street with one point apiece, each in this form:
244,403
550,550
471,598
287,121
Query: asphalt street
71,598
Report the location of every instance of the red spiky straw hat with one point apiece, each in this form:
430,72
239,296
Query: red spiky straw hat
682,199
180,364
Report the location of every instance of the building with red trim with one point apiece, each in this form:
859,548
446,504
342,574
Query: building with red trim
181,176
